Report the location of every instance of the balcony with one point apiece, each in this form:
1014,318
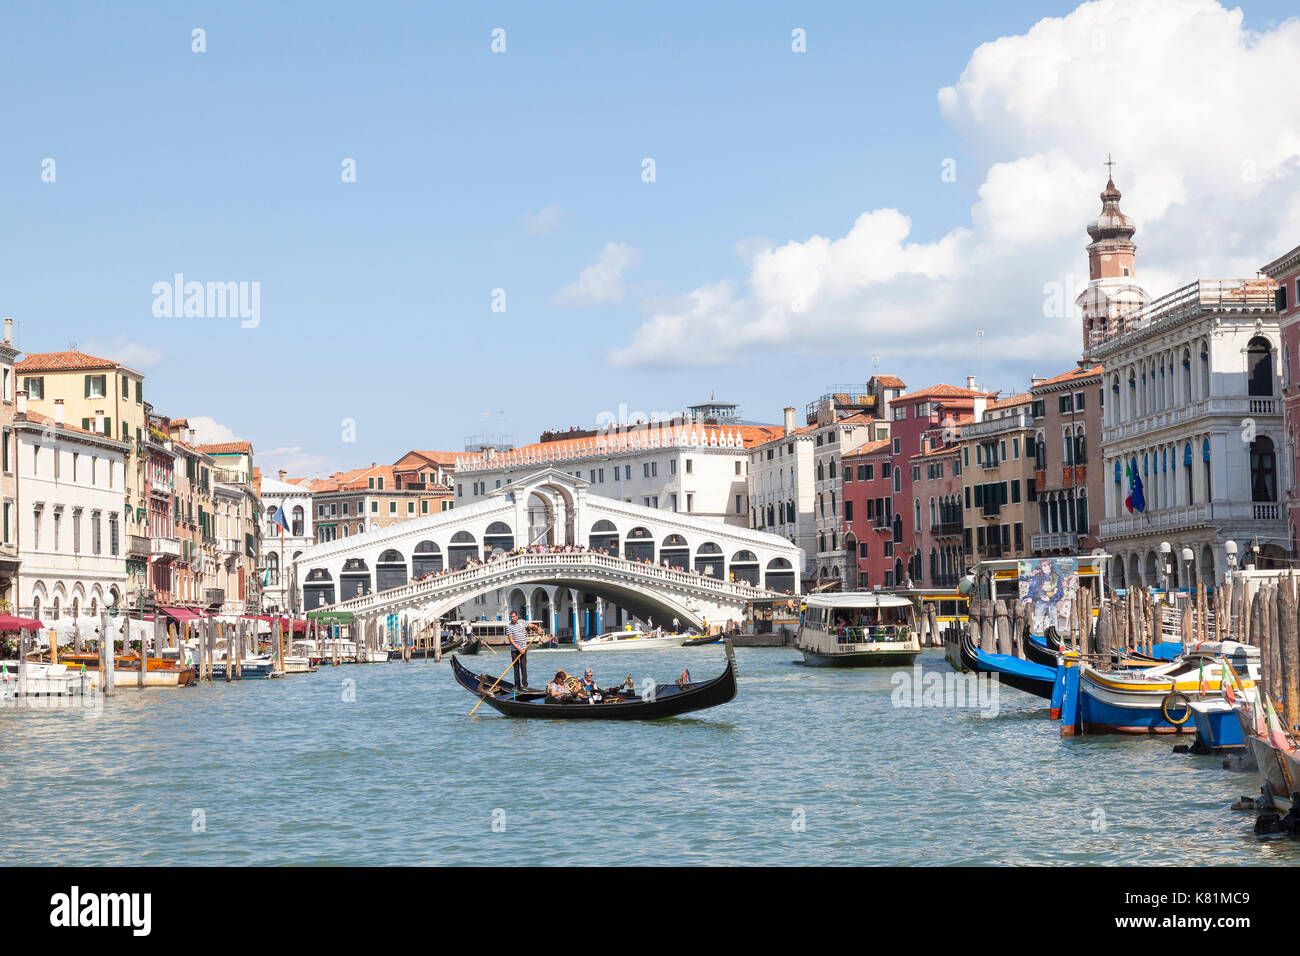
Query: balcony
991,509
161,488
1063,541
165,549
138,546
212,596
946,529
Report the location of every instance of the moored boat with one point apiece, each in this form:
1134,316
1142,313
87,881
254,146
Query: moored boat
630,641
1155,700
858,629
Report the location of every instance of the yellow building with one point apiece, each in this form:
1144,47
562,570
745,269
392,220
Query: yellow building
997,458
90,386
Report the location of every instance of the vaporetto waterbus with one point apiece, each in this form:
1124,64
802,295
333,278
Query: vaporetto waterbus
858,629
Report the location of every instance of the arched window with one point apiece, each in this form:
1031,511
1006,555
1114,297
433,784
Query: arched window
1263,470
1080,447
1259,367
297,521
272,568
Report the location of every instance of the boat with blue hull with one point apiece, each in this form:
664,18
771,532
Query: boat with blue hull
1217,729
1156,700
1028,676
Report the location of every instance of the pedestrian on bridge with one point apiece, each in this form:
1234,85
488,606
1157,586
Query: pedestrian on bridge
519,633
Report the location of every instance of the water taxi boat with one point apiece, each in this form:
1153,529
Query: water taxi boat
1155,700
858,629
631,641
162,672
250,668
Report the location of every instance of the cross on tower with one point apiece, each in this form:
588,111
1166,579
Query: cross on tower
1110,166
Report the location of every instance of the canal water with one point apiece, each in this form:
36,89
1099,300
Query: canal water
378,764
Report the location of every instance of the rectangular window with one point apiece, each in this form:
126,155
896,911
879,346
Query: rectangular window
848,511
737,467
740,506
424,506
690,502
139,393
126,387
112,535
35,387
96,386
1015,449
410,507
690,466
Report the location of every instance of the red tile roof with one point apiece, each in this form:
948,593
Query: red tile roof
226,448
61,362
1024,398
945,391
890,381
1089,372
869,448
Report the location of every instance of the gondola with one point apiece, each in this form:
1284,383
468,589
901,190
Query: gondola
1036,679
667,701
470,646
426,653
703,639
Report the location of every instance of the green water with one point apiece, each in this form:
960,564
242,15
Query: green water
806,766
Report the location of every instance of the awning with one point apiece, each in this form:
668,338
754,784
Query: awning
829,585
181,615
10,623
331,617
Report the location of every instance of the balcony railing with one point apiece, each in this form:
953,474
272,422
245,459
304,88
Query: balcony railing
161,488
1196,298
991,509
138,545
946,529
1060,541
165,549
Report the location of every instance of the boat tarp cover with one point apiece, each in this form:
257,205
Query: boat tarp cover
1007,664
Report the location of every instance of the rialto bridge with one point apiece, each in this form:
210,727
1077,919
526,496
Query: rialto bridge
635,562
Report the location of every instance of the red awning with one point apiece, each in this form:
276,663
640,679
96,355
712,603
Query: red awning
10,623
181,614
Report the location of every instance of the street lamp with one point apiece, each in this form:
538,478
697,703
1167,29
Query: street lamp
1187,562
1167,561
1230,549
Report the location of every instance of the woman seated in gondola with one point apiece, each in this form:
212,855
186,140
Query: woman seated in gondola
558,689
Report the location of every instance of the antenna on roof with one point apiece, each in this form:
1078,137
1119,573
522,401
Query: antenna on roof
72,346
979,341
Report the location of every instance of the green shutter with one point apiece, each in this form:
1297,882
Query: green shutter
139,393
108,426
126,387
85,424
87,386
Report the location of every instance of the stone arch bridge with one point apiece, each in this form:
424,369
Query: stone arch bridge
634,562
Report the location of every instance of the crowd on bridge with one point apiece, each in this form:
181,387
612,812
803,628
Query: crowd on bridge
475,562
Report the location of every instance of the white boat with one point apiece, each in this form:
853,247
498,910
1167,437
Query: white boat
299,660
858,629
631,641
46,680
374,656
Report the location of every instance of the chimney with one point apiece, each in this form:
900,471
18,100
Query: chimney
282,473
191,434
58,412
789,419
978,410
22,404
99,421
490,453
1036,380
9,331
970,382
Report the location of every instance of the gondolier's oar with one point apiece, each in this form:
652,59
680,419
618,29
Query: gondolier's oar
502,677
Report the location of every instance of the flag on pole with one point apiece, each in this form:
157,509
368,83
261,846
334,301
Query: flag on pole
1276,736
1135,501
280,520
1205,684
1227,681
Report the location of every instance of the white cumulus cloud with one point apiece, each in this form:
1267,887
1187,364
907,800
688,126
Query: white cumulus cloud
602,281
1207,144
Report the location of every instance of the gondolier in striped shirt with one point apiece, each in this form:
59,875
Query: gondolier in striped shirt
518,632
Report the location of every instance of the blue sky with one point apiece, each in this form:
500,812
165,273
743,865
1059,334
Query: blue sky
376,295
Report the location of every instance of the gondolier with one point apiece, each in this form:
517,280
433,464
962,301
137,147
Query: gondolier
518,632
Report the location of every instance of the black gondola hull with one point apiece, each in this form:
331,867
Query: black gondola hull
669,701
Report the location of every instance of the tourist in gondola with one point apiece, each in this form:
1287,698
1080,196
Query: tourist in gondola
589,686
558,689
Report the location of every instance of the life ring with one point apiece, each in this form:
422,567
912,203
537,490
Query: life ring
1174,698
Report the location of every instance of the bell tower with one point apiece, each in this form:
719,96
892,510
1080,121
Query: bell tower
1112,286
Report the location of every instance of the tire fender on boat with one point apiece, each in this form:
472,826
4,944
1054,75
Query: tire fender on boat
1177,700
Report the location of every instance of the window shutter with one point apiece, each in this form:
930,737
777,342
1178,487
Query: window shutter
103,384
87,386
108,426
85,424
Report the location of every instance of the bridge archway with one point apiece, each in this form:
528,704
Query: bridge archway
317,589
498,536
463,546
355,579
517,600
603,537
744,567
780,575
539,607
709,560
390,570
675,552
426,559
640,545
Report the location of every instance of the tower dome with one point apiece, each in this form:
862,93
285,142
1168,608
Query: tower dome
1112,223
